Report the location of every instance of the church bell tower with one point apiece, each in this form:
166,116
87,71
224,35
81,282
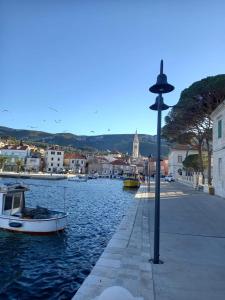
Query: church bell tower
135,153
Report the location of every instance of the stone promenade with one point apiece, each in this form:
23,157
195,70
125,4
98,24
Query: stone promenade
192,248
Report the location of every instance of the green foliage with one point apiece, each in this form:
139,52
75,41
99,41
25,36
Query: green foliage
3,160
191,115
193,162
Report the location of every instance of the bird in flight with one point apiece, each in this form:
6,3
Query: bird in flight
52,108
96,112
5,110
32,127
109,129
92,131
58,121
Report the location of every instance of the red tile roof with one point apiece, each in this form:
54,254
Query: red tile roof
119,162
74,156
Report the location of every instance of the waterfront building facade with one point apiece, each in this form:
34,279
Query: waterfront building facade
54,157
75,162
218,118
14,157
15,151
120,167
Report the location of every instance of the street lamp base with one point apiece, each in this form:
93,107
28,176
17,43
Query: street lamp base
159,262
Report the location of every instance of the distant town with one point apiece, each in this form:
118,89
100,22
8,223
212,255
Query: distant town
18,156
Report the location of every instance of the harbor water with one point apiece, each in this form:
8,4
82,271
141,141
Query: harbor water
54,266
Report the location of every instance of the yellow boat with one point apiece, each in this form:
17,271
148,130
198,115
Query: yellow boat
131,182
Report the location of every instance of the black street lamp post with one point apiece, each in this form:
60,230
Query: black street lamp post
161,87
149,170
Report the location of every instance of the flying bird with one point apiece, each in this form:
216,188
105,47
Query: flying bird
5,110
32,127
109,129
96,112
58,121
52,108
92,131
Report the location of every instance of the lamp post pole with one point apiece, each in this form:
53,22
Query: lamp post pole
159,88
149,171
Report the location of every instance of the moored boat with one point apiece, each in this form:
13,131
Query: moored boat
131,182
15,216
78,178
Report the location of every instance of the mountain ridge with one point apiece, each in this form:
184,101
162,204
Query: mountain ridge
112,142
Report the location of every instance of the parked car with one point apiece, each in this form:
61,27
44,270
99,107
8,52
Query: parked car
169,178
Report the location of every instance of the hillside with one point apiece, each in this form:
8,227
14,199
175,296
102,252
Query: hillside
112,142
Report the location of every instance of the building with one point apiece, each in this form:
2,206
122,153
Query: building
15,151
15,157
54,160
75,162
176,157
135,153
218,118
121,167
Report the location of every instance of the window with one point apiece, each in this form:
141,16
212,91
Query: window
8,202
58,159
52,152
58,153
72,161
49,169
16,201
52,158
179,159
58,165
51,164
220,167
219,129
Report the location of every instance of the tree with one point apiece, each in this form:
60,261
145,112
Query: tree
190,119
19,164
3,160
192,163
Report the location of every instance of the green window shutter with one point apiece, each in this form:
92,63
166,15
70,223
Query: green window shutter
219,129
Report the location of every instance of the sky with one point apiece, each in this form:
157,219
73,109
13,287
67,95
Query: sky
85,66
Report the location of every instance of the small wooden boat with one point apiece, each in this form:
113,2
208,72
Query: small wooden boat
15,216
131,182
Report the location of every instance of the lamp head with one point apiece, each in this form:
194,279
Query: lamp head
161,86
159,104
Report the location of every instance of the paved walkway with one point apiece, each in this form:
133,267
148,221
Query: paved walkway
192,246
125,260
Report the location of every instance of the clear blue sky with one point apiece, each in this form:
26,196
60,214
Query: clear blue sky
94,60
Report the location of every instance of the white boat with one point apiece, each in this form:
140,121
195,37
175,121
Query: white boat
15,216
78,178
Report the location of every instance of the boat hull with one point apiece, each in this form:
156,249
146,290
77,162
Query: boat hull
131,183
35,226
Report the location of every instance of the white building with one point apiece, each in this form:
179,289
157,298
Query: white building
15,151
15,156
33,164
54,160
75,162
176,157
218,118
